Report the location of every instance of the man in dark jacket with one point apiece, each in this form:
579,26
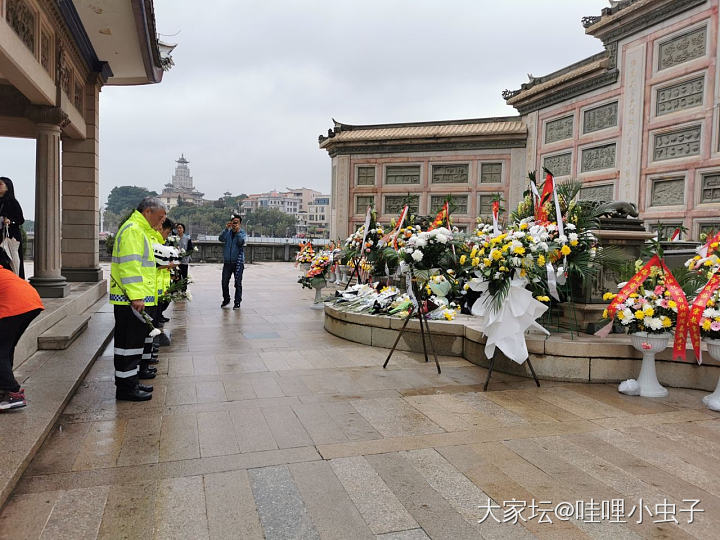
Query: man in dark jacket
233,239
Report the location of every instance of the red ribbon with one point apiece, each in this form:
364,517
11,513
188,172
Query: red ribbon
676,293
496,209
696,312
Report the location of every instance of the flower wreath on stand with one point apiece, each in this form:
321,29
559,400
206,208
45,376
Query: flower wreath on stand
317,273
305,255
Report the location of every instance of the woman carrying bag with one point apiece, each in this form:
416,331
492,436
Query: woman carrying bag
11,217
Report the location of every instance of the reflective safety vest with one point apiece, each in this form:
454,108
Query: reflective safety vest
132,271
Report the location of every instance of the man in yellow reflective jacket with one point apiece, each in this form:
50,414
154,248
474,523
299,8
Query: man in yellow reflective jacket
132,284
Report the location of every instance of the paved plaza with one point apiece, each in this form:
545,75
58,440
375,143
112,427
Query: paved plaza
264,425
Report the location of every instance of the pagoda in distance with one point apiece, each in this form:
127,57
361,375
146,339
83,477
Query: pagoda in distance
181,188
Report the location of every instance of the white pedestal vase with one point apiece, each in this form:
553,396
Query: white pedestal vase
338,275
646,384
318,284
712,401
343,274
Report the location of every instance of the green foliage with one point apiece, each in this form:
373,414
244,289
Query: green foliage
269,222
124,198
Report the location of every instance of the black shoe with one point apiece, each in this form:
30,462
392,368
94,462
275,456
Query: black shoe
149,368
224,303
147,374
163,318
236,306
132,395
146,388
153,361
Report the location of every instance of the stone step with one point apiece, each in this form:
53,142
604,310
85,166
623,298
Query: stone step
50,379
60,336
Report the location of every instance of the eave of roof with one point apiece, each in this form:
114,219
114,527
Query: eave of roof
502,127
584,70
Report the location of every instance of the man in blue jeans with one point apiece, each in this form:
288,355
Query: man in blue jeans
233,239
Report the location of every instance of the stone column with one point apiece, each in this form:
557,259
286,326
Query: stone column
48,280
80,198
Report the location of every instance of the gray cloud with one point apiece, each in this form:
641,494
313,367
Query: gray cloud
255,83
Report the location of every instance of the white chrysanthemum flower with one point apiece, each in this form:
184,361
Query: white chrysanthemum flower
417,255
654,323
420,242
441,238
573,237
628,316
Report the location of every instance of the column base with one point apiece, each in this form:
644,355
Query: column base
91,275
51,287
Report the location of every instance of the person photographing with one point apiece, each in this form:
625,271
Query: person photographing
233,239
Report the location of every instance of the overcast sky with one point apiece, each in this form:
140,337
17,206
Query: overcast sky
256,82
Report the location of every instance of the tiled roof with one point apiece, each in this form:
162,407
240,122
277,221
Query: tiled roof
430,130
568,76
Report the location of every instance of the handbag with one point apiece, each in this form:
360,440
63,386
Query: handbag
11,247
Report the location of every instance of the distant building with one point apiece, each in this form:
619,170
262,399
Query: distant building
181,188
318,217
300,202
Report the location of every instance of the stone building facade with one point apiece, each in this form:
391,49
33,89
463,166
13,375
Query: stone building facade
55,56
637,122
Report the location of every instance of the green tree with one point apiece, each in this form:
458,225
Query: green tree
124,198
270,222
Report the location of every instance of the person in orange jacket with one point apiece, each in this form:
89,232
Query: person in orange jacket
19,305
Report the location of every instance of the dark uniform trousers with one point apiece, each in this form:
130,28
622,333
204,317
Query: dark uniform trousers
148,345
130,334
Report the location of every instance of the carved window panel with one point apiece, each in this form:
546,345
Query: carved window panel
485,201
66,81
559,130
667,192
603,193
491,173
603,117
708,229
450,174
677,144
559,165
366,176
458,203
680,96
597,158
402,174
681,49
21,18
362,202
666,230
78,94
710,188
45,51
395,203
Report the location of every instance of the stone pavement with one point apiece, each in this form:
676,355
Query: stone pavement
264,425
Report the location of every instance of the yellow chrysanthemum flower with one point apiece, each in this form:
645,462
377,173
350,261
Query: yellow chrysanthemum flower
605,314
487,262
573,243
706,324
620,315
541,260
649,312
473,252
639,315
523,226
666,322
475,261
672,304
565,250
519,250
496,255
463,258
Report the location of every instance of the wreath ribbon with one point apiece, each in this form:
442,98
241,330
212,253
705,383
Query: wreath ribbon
696,312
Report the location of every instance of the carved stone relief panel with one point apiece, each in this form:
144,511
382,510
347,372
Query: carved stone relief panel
604,193
708,229
45,51
677,144
680,96
362,202
450,174
559,165
667,192
710,188
558,130
485,204
600,157
21,19
78,94
601,117
66,81
366,176
490,173
682,48
458,203
394,203
402,174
